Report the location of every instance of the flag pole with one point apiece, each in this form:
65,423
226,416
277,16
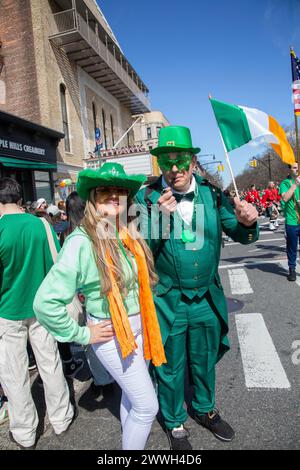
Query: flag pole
297,142
228,160
296,118
230,167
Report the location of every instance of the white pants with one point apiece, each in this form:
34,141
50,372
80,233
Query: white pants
15,379
100,374
139,404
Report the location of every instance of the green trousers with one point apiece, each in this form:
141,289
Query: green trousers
194,338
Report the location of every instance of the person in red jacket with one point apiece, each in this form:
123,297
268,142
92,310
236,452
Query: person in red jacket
270,201
253,197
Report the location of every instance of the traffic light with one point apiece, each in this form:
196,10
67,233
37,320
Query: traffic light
253,163
221,167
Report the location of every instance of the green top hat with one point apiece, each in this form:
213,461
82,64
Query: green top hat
110,174
174,139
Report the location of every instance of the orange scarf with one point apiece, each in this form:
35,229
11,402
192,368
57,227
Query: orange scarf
153,347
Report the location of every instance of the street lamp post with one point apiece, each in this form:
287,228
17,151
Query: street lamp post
211,163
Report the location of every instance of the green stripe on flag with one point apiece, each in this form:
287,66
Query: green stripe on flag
233,124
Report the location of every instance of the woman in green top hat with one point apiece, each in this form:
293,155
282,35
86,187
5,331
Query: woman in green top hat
113,268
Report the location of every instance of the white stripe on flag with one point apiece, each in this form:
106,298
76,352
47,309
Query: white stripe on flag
239,282
258,122
262,366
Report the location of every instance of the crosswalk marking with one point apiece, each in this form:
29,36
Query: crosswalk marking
263,241
252,263
239,282
262,366
268,232
281,221
261,361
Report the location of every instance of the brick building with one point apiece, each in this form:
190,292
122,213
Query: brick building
61,67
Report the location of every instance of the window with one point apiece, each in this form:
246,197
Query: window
149,135
112,130
94,116
41,176
64,114
104,128
43,185
157,130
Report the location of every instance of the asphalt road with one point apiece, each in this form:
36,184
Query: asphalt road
258,380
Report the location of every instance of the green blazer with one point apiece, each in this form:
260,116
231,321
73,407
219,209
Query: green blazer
192,272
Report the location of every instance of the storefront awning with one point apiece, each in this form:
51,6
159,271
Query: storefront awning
17,163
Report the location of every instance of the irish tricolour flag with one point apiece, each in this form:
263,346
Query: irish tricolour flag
239,125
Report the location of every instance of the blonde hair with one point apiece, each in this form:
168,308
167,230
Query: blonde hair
98,228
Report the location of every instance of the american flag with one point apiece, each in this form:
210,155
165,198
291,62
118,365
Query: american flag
296,82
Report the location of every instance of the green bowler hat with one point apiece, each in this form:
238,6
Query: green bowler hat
110,174
174,139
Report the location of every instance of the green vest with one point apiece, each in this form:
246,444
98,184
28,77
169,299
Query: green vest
188,267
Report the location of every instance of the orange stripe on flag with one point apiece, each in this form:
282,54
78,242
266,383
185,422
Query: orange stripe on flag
283,148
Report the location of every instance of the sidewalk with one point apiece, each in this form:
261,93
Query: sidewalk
97,425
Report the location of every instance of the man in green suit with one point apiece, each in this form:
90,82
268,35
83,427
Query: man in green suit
189,297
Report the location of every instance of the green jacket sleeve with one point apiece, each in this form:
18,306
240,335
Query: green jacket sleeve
57,291
234,229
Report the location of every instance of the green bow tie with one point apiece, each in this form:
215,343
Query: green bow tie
184,197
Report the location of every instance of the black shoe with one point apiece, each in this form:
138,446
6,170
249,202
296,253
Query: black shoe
11,437
96,390
65,432
292,275
72,367
213,421
178,439
108,390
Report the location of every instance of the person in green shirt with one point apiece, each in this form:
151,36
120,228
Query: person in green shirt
25,259
290,197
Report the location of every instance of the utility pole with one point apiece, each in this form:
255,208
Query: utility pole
270,170
268,166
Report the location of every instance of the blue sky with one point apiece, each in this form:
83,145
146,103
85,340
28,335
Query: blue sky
237,50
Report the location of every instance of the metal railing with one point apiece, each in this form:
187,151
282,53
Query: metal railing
63,22
68,21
